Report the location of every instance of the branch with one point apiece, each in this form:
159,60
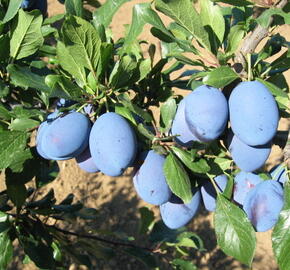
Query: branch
97,238
251,42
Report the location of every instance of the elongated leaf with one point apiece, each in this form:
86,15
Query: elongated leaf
74,7
17,192
264,19
105,13
26,37
146,220
281,233
167,113
23,124
177,178
82,41
6,250
12,10
10,143
235,234
236,34
4,47
235,2
185,15
144,256
183,265
220,77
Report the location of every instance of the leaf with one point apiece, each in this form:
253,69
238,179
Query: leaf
4,47
145,132
265,18
105,13
70,64
12,10
74,7
281,233
223,163
240,3
82,41
167,113
23,124
183,265
199,166
185,15
6,250
11,142
212,16
26,37
235,234
125,112
4,113
237,32
144,256
220,77
177,178
146,221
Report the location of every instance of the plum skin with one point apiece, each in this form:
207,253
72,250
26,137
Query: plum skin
244,182
208,192
66,136
254,113
175,214
263,204
248,158
206,112
85,161
150,182
112,143
180,127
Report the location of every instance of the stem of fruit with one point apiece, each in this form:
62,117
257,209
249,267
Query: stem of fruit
249,61
214,184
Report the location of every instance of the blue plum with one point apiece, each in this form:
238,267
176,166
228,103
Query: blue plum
41,5
248,158
149,181
254,113
85,161
88,109
175,214
244,182
112,143
63,103
41,129
208,192
180,127
66,136
263,204
27,4
279,174
206,112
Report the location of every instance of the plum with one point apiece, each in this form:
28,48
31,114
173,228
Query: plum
208,192
248,158
35,4
66,136
180,127
63,103
176,214
279,174
85,161
112,143
263,204
149,181
88,109
27,4
254,113
244,182
206,112
41,129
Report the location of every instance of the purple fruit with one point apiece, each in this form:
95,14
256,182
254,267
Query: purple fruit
66,136
248,158
206,112
150,182
112,144
263,204
254,113
180,127
244,182
279,174
176,214
85,161
208,192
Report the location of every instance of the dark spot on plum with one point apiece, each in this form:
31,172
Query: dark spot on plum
151,192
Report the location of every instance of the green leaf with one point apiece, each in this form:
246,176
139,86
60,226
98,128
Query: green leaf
145,132
23,124
11,142
167,113
223,163
181,264
20,159
235,234
237,32
177,178
125,112
105,13
26,36
240,3
82,40
211,15
4,47
185,15
265,19
146,220
23,77
4,113
6,250
281,233
199,166
74,7
144,256
69,63
12,10
220,77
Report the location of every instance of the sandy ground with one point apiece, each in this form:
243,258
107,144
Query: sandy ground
117,202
